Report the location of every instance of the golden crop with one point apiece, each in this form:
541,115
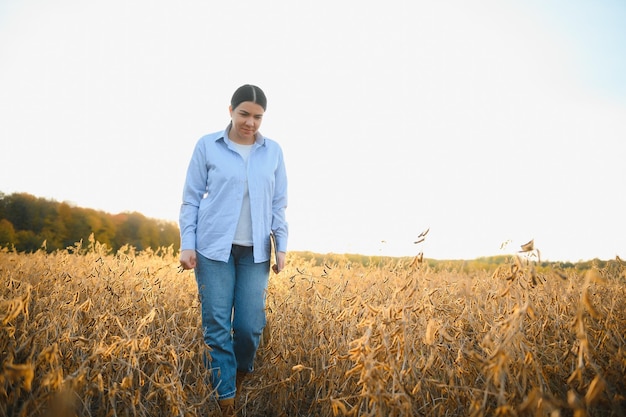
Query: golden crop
84,332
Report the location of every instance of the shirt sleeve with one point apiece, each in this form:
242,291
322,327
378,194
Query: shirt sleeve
193,192
280,226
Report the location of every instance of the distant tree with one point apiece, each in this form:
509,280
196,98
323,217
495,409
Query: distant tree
103,228
132,230
54,231
7,233
28,221
168,235
28,241
20,210
78,227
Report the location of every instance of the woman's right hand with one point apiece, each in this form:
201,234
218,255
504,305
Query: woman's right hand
188,259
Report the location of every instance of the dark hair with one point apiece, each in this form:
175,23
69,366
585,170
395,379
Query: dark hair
251,93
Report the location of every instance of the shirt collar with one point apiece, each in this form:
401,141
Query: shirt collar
259,138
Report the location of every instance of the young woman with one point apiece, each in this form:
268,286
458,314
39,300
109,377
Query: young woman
235,195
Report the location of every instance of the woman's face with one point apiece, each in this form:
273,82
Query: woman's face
246,118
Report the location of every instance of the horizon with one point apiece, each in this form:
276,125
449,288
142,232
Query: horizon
535,255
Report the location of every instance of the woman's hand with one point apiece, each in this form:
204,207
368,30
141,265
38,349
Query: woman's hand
188,259
281,262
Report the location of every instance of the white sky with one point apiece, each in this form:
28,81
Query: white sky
487,122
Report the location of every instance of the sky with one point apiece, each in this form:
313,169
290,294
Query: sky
488,123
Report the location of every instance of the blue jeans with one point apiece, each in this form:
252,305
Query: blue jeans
232,298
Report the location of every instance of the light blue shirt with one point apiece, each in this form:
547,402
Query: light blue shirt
214,191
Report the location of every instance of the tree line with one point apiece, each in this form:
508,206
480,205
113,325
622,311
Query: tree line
28,223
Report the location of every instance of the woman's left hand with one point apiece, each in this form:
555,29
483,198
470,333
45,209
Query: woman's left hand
281,262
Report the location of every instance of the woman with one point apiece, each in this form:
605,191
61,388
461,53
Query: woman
235,195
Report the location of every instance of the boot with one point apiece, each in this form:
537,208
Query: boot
227,406
241,376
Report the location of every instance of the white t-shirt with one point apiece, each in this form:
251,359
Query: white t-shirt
243,235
